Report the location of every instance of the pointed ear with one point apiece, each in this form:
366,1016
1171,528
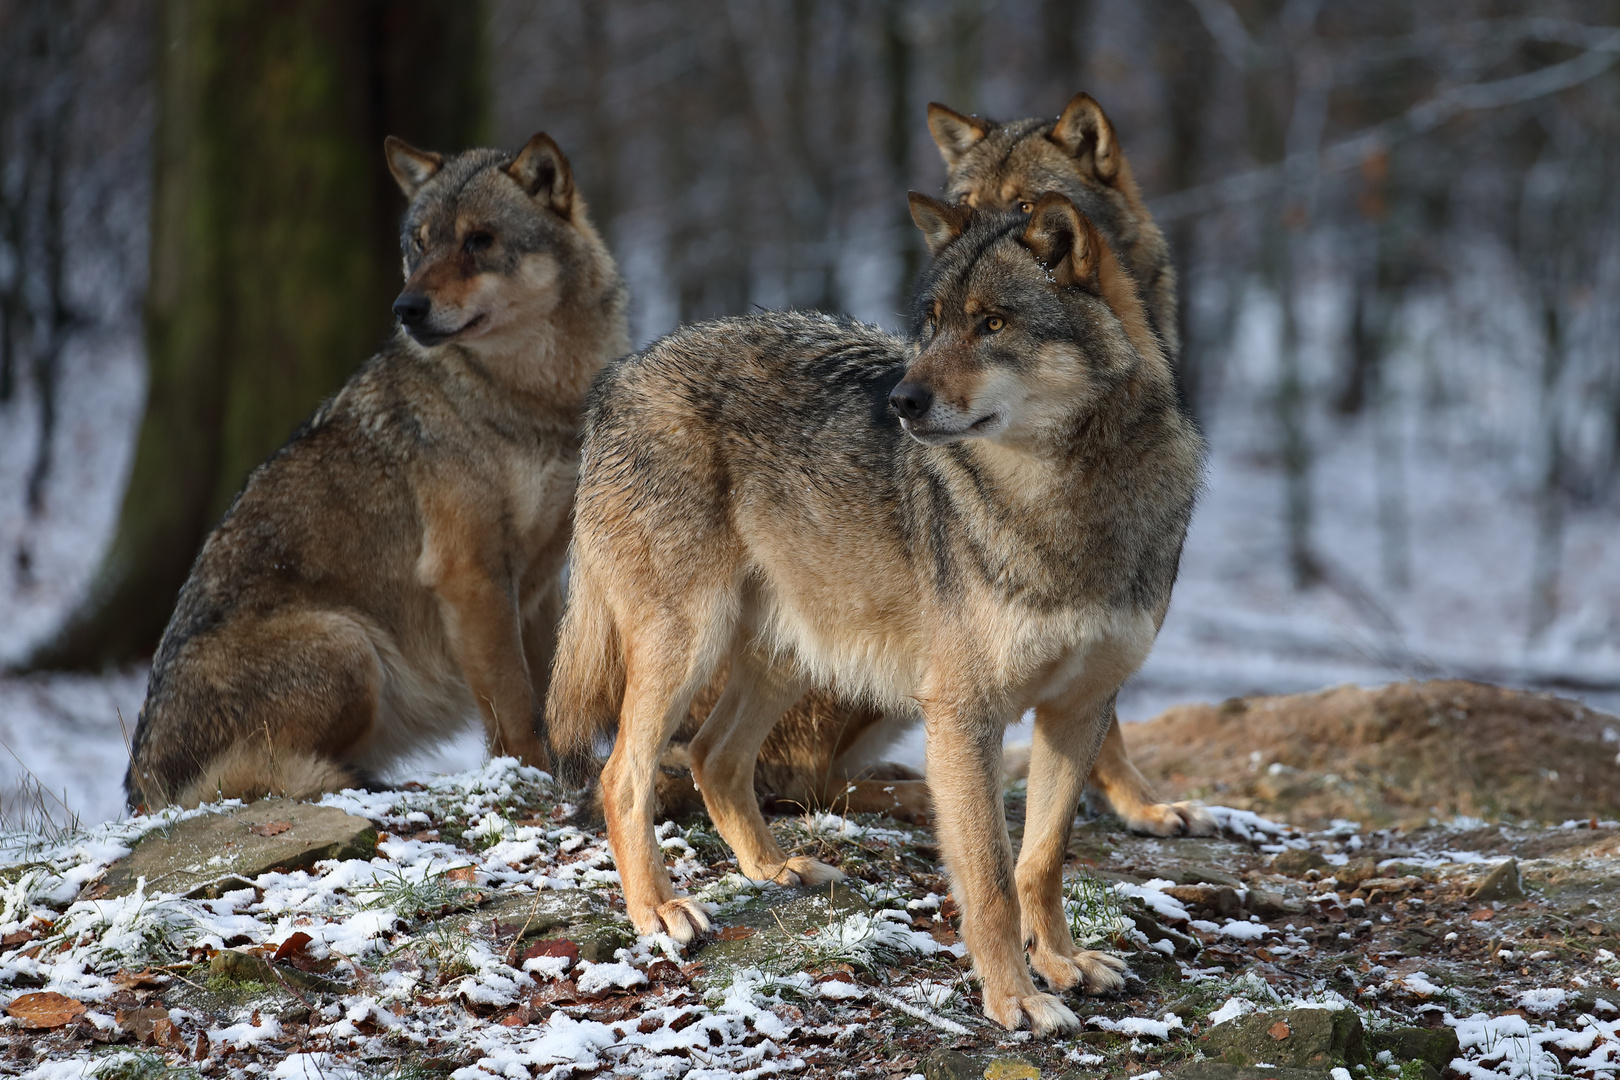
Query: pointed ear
956,134
1064,241
542,171
940,222
411,167
1085,133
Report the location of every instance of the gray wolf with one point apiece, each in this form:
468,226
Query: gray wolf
983,519
395,567
826,752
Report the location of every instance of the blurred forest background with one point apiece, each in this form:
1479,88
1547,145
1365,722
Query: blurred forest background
1397,227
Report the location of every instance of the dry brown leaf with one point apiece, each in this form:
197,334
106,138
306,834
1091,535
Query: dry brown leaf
45,1010
1280,1030
270,828
735,933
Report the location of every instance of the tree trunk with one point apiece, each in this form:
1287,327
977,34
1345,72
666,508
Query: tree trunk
274,256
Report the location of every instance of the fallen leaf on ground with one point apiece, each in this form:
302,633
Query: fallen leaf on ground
552,947
45,1010
270,828
1280,1030
735,933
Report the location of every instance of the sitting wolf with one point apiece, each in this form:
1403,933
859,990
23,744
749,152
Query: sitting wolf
395,567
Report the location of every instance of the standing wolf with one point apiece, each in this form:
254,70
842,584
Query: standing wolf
395,567
747,494
825,751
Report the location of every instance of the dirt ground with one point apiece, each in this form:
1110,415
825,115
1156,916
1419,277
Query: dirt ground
1402,755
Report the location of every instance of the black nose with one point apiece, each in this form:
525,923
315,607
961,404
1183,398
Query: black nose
411,308
911,400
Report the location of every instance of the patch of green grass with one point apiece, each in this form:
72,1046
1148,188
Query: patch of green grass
1095,913
445,947
433,894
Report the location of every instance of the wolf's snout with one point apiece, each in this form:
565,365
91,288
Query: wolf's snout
911,400
412,308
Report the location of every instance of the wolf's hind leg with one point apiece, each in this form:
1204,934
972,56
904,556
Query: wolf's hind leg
271,707
723,756
665,668
1116,782
1065,745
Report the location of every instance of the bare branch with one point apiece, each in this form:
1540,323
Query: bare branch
1420,118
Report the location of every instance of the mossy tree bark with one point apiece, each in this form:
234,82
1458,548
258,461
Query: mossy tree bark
274,256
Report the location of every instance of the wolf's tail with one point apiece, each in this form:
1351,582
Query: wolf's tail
587,682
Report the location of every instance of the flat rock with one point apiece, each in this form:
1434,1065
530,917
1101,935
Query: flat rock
207,855
1292,1038
1435,1046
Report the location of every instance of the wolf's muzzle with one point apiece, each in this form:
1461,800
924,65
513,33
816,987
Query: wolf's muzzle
911,400
412,308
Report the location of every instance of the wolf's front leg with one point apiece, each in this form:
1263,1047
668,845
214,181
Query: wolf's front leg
1067,738
461,562
964,775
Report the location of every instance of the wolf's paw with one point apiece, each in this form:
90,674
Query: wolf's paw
683,919
1093,972
803,870
1043,1014
1170,819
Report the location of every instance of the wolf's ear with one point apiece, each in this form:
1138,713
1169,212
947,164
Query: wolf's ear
1063,240
940,222
411,167
956,134
541,170
1085,133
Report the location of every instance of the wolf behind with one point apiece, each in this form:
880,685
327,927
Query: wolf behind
981,520
394,568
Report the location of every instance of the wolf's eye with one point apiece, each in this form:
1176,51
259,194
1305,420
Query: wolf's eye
416,243
993,324
1025,206
478,241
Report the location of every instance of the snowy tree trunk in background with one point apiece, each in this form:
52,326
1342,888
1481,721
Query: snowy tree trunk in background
273,257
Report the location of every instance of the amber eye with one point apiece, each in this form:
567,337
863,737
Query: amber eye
1025,206
994,323
416,242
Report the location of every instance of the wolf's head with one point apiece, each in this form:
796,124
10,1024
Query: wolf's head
494,244
1024,324
996,166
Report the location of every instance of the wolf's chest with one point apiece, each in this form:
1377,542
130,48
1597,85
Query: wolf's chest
1102,646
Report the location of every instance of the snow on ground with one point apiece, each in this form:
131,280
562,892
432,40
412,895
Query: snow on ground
429,969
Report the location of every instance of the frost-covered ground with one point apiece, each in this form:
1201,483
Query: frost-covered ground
1459,495
429,964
